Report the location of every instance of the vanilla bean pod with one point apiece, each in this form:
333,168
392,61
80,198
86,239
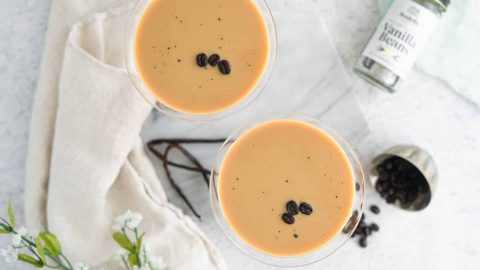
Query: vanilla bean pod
174,143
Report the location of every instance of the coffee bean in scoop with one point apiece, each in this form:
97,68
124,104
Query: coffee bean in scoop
399,180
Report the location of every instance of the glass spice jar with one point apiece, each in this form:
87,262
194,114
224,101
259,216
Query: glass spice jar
398,40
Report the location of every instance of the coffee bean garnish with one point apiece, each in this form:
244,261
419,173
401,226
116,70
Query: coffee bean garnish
213,59
295,235
305,208
375,209
201,60
224,67
292,208
288,218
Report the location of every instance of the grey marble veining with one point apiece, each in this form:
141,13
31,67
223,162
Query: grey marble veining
425,112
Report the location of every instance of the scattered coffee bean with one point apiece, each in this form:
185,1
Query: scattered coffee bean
292,208
374,227
224,67
202,60
363,242
288,218
213,59
363,230
375,209
305,208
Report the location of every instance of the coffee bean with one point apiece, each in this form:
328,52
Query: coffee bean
224,67
288,218
374,227
305,208
213,59
201,60
375,209
380,168
379,187
292,208
390,199
383,176
388,165
363,242
368,231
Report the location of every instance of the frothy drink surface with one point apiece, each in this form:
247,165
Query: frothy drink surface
276,162
172,32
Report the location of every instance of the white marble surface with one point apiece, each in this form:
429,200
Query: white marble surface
425,113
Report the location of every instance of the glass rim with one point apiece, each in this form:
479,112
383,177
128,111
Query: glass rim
314,256
254,93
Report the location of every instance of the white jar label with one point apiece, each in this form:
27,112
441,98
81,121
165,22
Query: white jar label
401,35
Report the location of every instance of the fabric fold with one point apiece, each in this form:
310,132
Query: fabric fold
96,167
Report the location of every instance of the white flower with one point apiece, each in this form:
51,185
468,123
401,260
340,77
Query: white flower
17,238
10,254
158,263
80,266
32,235
128,219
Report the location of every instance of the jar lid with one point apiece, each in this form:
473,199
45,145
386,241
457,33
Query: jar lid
444,3
405,175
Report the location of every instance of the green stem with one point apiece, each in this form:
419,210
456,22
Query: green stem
137,251
32,245
125,262
65,259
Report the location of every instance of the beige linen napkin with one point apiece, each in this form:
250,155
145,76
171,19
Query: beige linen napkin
86,163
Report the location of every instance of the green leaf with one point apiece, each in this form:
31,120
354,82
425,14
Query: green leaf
29,259
51,243
40,250
132,259
2,231
123,241
11,216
